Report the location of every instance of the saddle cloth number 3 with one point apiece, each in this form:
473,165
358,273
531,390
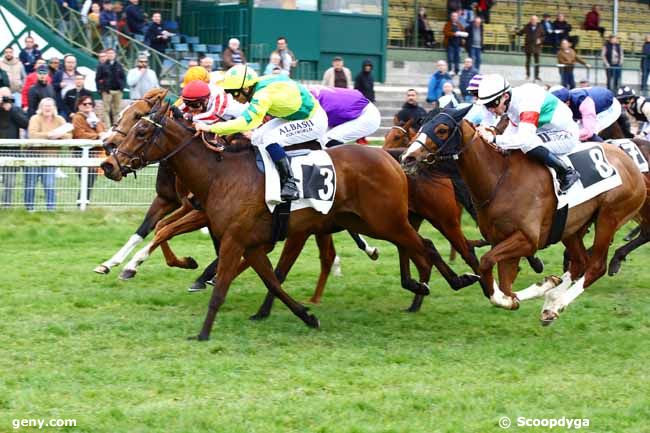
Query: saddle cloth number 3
592,165
318,182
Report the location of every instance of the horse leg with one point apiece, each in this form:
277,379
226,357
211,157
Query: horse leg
371,252
158,209
326,255
516,245
229,256
621,253
405,269
210,271
632,234
177,214
292,248
262,265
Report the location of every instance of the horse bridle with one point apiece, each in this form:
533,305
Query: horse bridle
437,156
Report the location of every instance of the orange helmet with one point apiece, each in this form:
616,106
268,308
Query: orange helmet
196,90
195,73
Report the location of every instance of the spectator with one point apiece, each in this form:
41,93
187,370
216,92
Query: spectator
94,26
64,80
550,38
612,55
30,80
15,71
453,32
46,124
437,80
483,9
338,75
40,90
474,42
365,82
645,64
453,6
108,23
532,44
71,96
567,58
592,21
141,79
157,37
448,95
466,74
111,80
121,26
562,29
411,110
135,17
465,17
65,5
233,55
287,58
53,66
86,125
12,119
274,63
207,62
29,54
424,29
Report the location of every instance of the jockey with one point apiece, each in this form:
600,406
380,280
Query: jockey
350,115
208,104
478,114
594,108
540,125
637,106
298,117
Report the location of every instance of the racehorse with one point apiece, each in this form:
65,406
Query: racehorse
231,190
515,207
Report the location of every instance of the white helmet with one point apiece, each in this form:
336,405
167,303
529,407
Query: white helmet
492,87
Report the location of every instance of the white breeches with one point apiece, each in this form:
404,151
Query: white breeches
288,132
363,126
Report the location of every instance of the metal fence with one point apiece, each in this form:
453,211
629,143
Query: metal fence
53,175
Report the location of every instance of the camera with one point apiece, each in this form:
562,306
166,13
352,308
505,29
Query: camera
8,99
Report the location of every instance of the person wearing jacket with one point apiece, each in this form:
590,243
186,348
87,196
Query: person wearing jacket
411,110
466,74
71,97
338,75
232,55
364,82
15,71
454,33
612,55
87,126
111,80
474,43
141,79
592,21
437,80
28,55
64,80
135,17
30,80
40,90
534,36
593,108
108,21
566,59
12,119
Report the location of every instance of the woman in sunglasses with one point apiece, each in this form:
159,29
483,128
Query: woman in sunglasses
86,125
540,125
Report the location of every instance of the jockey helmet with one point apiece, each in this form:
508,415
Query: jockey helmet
491,88
474,83
239,77
624,93
560,92
196,73
196,90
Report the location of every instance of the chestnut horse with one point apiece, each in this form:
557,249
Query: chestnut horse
516,205
231,190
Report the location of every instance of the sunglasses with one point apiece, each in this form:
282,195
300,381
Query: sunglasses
234,93
194,104
493,104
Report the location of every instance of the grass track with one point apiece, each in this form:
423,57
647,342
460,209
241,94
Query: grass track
114,355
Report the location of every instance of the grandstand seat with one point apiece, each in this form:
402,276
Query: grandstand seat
215,48
199,48
192,39
175,39
181,47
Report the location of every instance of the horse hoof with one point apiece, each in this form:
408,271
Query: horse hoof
191,263
374,254
210,282
258,316
200,337
548,317
412,309
614,267
536,264
196,287
101,269
127,274
312,321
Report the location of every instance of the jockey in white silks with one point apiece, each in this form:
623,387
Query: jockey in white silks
540,125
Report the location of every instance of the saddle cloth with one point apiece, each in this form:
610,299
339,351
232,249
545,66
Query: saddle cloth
597,175
315,179
632,150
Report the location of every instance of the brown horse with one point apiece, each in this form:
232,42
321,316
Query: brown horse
231,191
516,205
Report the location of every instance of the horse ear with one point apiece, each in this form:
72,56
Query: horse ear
408,123
461,113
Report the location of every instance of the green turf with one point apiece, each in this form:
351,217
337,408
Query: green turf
114,356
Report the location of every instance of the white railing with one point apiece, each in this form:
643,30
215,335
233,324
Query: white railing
65,174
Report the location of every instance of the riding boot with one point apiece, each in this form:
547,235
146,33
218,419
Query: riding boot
567,176
289,190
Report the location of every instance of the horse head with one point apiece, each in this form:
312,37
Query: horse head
128,117
400,134
142,145
439,139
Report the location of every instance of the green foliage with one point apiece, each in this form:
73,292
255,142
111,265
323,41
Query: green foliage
114,355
